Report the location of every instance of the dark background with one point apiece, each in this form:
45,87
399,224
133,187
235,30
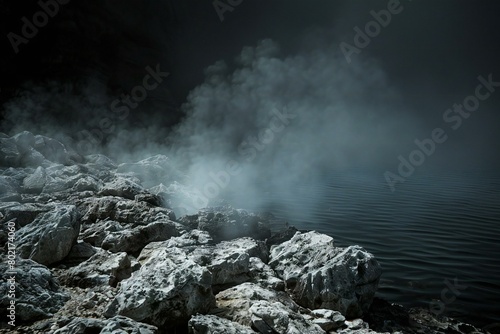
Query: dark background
433,52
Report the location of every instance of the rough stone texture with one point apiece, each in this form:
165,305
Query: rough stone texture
328,319
121,187
261,274
102,268
225,223
50,237
26,150
167,290
114,325
152,171
24,214
274,317
274,311
36,181
38,294
135,239
211,324
320,275
122,210
80,252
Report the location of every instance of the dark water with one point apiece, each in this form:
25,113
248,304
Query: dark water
433,228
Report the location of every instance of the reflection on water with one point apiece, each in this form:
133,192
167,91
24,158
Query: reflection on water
434,228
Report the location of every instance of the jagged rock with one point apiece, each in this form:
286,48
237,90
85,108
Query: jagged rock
227,224
86,183
320,275
328,319
191,238
274,317
122,210
121,187
9,154
236,305
135,239
261,274
100,160
9,189
211,324
38,294
36,181
102,268
51,149
282,236
114,325
24,214
80,252
49,238
166,291
96,233
151,171
229,261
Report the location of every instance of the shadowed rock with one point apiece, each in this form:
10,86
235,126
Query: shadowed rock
49,238
38,294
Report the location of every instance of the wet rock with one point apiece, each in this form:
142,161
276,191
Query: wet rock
38,294
102,268
211,324
320,275
116,324
50,237
166,291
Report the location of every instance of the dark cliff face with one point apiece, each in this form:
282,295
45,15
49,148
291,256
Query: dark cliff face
109,42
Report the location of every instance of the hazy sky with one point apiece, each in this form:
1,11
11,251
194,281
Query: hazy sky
229,78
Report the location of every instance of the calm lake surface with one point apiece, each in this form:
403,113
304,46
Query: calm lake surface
433,228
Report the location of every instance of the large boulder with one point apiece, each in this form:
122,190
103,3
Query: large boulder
102,268
229,262
124,211
50,237
225,223
166,291
320,275
35,182
38,294
211,324
152,171
133,240
116,324
266,310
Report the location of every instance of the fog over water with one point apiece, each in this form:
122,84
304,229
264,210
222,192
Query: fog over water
266,107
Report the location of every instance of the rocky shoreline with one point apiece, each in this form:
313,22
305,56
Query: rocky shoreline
97,248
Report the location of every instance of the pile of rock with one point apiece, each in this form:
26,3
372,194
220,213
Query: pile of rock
98,252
